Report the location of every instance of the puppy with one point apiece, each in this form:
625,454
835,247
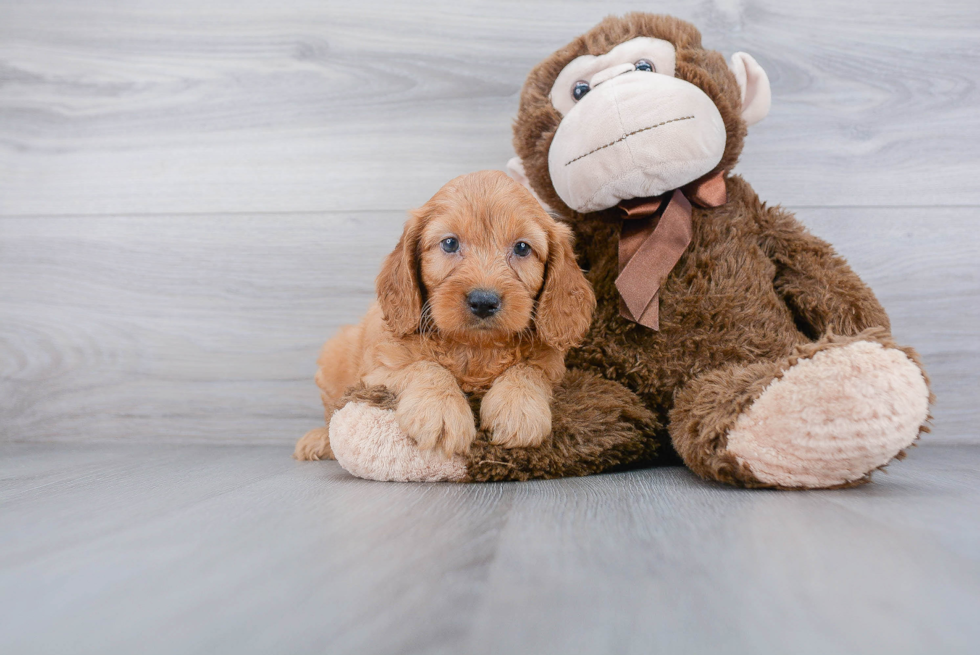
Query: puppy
482,296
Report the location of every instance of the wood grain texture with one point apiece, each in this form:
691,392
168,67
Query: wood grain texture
198,549
194,196
302,105
178,327
206,328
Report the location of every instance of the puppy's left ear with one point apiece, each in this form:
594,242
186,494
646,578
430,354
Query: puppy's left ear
566,304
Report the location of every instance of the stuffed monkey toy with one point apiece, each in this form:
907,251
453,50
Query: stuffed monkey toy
725,333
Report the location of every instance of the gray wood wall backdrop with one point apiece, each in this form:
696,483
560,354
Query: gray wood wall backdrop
193,195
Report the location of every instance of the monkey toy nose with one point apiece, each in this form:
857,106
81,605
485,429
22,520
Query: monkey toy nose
483,303
609,73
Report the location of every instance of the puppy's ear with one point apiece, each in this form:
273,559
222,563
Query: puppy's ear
565,308
399,293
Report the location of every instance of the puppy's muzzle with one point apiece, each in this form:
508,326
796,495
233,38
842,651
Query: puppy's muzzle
483,303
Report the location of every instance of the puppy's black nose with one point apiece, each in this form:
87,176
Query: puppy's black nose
483,303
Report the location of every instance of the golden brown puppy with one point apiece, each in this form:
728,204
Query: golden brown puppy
482,295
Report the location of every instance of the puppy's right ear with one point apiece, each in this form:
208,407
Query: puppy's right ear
397,285
567,301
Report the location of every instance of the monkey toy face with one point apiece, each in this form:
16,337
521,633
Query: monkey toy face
633,109
629,128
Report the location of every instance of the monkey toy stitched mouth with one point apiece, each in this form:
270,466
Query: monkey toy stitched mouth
627,135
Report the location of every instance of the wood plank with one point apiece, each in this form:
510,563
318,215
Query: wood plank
657,564
206,328
124,489
179,327
135,108
203,549
329,559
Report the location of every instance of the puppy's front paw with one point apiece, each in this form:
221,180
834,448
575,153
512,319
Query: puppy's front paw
435,419
516,415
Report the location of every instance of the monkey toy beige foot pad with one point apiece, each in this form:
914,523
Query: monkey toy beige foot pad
834,418
368,442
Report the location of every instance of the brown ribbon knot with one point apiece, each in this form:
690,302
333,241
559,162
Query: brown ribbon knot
655,233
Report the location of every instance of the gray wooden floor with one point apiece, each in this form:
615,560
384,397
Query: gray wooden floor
193,196
237,549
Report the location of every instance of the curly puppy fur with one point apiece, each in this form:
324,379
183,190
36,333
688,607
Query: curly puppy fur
481,298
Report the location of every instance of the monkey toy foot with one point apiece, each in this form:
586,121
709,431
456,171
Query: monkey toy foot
368,442
834,418
827,418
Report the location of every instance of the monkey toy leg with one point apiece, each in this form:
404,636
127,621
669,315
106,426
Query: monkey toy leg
826,415
597,425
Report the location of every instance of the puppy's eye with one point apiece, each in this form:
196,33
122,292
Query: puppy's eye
645,65
580,89
449,244
522,249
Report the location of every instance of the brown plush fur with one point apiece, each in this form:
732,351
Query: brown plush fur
423,342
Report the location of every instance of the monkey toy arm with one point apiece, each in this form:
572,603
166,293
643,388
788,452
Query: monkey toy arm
822,291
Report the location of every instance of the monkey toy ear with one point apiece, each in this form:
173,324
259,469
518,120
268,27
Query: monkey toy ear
515,168
756,95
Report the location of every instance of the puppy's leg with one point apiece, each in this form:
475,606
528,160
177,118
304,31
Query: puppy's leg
431,407
336,371
315,445
517,409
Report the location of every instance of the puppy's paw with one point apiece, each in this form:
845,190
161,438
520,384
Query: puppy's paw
517,415
314,445
437,420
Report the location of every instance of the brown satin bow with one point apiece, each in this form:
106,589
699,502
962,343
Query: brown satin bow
655,233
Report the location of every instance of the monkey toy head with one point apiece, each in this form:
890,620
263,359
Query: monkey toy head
633,108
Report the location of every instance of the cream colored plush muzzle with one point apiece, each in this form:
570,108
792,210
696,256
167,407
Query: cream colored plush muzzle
635,134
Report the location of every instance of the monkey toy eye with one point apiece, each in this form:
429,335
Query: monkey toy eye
522,249
580,89
449,244
645,65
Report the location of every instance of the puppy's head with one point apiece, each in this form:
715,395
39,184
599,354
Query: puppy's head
482,261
